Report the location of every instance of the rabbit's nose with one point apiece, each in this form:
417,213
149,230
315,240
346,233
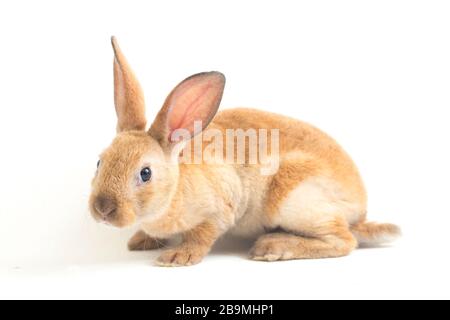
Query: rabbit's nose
105,206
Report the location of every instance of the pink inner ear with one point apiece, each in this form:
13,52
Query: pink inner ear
196,99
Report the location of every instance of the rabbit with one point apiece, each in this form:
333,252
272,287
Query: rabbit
314,206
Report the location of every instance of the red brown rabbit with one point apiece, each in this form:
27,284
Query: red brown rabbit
313,206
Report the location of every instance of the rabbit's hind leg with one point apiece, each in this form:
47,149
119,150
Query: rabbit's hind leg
315,214
330,240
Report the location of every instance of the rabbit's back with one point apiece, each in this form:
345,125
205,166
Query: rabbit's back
308,159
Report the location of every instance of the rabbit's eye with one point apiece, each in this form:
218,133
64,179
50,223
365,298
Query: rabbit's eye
98,164
146,174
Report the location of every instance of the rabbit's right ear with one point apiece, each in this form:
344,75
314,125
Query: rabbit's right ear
128,95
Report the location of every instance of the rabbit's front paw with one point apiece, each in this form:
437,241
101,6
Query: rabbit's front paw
180,257
142,242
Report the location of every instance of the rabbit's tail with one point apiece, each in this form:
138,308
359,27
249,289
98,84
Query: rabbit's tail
371,233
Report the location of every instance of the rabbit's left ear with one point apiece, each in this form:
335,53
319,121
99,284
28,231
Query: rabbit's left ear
128,95
194,101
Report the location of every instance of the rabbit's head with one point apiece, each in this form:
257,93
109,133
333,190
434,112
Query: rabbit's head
136,176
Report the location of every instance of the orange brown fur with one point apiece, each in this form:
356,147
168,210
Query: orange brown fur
313,150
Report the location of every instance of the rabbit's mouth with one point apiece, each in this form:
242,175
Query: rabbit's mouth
106,210
115,220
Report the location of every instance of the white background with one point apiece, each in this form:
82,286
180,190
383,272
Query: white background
374,74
